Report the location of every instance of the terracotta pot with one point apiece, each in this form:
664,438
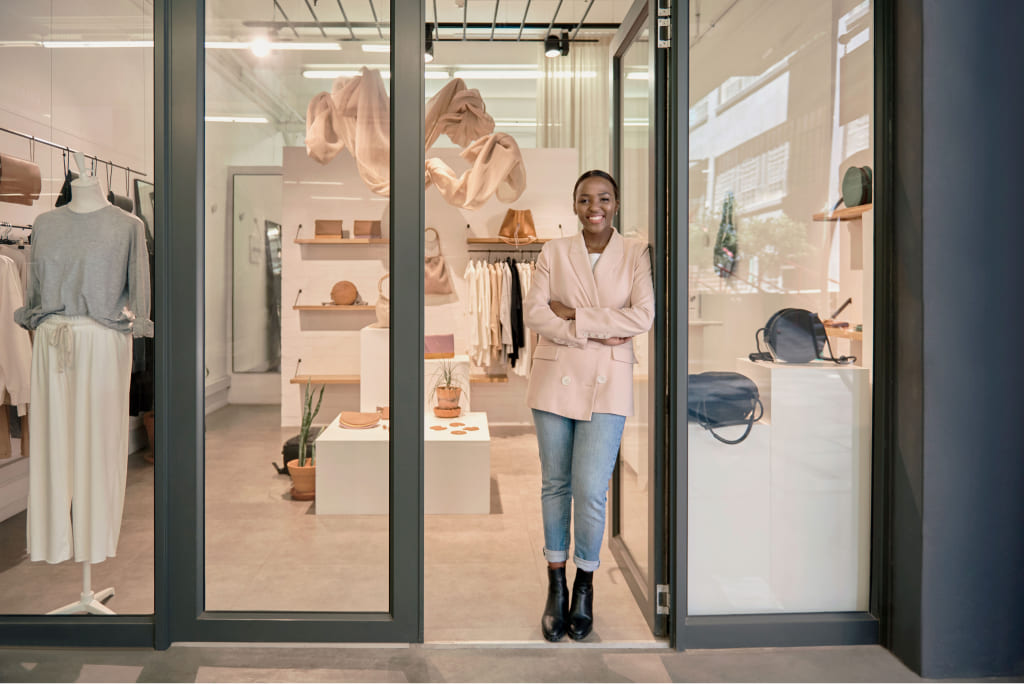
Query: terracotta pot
303,480
447,402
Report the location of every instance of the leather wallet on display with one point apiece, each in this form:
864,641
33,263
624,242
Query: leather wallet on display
439,346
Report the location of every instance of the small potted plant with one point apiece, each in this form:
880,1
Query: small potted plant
447,390
303,468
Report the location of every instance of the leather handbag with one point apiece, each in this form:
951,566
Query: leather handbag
517,227
439,346
437,279
20,180
718,399
344,293
328,227
857,186
795,336
366,229
383,307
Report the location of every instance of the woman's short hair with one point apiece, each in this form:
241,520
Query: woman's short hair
600,174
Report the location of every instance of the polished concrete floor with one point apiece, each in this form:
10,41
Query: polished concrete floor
547,663
265,551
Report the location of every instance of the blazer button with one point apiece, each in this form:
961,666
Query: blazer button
566,380
601,379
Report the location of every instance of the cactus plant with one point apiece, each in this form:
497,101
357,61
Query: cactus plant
726,245
308,414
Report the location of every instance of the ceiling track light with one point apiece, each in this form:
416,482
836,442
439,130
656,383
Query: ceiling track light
555,46
428,44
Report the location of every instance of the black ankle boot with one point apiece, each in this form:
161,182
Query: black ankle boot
556,610
581,614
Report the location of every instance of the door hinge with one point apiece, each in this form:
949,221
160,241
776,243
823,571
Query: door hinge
664,599
664,32
664,8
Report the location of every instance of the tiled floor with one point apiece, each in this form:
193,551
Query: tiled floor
268,552
545,663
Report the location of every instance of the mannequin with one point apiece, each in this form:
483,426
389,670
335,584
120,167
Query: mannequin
90,297
86,194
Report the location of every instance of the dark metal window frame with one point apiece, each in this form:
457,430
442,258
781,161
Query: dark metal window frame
179,167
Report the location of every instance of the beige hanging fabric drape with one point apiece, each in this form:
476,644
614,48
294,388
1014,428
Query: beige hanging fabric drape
355,115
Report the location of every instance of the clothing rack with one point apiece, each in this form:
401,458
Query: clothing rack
5,232
70,150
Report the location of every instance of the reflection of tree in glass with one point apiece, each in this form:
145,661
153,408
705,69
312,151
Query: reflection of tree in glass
775,241
726,244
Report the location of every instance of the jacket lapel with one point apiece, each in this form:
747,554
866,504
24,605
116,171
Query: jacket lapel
581,265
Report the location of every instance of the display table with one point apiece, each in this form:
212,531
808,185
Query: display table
352,468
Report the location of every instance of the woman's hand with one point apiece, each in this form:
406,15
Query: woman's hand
562,311
613,341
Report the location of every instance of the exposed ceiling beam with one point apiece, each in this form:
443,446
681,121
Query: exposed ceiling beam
582,19
449,25
347,22
280,9
523,22
315,19
380,34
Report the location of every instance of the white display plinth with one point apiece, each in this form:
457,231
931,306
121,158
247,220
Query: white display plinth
374,371
788,509
352,469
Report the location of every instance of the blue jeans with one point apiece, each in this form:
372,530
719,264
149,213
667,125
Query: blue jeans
577,458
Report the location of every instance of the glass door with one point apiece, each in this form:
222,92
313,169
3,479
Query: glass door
306,479
639,502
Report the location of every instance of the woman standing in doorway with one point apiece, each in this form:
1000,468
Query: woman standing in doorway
591,294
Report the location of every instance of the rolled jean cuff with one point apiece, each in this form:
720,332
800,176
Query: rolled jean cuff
585,565
556,556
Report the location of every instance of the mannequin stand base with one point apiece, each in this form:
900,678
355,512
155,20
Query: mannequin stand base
89,603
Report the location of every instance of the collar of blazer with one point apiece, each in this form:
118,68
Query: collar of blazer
584,271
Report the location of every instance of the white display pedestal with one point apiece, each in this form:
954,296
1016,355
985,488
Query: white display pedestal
789,508
352,469
374,371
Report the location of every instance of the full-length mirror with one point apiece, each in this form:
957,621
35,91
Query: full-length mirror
255,218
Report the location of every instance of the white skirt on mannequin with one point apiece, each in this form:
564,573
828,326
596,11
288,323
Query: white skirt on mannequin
78,458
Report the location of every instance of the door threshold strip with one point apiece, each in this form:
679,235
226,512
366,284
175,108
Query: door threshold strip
647,644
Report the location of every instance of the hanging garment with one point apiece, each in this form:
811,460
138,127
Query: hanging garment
79,449
506,307
497,170
516,314
356,115
22,256
15,345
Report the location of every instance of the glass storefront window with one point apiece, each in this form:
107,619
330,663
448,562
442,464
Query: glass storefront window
76,397
780,130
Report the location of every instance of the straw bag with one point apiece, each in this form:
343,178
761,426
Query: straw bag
436,278
383,305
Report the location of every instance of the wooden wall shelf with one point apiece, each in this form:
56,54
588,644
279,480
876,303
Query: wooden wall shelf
845,214
354,379
328,240
334,307
325,379
845,333
499,241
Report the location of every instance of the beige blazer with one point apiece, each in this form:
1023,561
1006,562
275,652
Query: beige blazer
574,375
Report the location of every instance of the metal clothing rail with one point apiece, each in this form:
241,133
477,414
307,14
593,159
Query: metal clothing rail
43,141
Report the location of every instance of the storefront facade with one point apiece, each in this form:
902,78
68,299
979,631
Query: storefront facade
868,551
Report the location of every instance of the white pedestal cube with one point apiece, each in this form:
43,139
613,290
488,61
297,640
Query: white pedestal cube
352,468
781,522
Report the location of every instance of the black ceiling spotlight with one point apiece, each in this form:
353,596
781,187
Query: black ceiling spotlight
564,43
428,49
551,46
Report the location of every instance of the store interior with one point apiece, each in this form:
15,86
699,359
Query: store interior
774,123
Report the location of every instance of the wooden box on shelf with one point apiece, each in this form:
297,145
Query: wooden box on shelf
328,227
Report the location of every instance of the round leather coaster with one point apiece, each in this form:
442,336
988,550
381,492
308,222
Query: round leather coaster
456,424
458,432
438,427
471,428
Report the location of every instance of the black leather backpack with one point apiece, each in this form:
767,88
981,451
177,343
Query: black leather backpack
795,336
717,399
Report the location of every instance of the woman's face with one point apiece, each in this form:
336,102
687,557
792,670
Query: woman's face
595,205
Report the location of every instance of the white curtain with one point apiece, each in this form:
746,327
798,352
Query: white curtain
573,103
